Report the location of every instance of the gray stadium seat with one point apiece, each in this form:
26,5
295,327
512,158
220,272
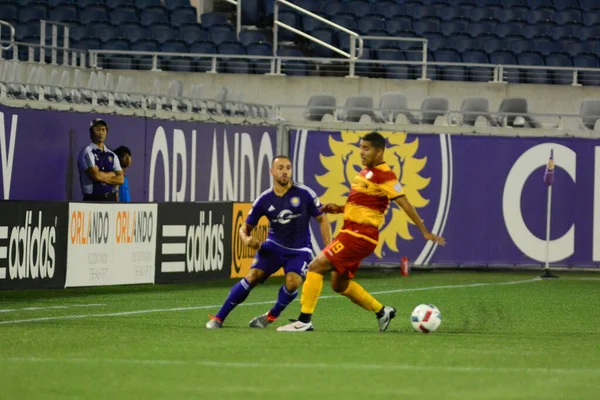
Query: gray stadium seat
393,104
475,107
318,106
432,108
590,111
356,107
515,105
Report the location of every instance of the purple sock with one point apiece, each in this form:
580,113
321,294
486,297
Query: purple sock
237,295
284,298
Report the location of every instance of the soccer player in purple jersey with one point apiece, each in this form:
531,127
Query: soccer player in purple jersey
289,207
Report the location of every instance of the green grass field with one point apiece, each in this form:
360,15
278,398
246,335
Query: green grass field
504,335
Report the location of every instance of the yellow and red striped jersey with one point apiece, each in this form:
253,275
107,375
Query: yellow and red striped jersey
370,194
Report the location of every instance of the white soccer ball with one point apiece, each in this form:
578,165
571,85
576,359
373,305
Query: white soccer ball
426,318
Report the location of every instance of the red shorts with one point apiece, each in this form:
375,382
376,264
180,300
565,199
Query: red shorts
347,251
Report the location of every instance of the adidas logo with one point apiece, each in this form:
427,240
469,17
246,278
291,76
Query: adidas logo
271,208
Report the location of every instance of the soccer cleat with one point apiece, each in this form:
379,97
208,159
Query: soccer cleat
388,314
214,323
296,326
262,321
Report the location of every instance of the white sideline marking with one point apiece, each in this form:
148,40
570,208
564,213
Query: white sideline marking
157,310
7,310
326,366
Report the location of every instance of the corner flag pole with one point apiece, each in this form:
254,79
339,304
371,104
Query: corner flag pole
549,180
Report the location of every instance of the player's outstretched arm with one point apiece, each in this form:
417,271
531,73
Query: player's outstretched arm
325,228
414,216
247,238
332,209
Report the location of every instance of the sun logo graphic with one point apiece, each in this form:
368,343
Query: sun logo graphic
422,164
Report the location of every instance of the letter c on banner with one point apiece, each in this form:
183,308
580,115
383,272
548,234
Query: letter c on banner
522,237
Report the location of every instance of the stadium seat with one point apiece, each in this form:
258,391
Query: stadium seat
120,15
453,72
435,41
590,110
473,107
133,31
191,33
203,64
8,11
460,42
506,57
567,16
289,18
210,19
589,5
293,67
560,77
251,12
260,49
141,4
416,10
182,16
326,35
346,21
397,25
145,45
31,15
540,15
153,15
433,107
356,107
333,8
424,25
565,4
515,105
503,30
64,12
591,18
478,74
518,46
393,104
538,76
359,8
546,5
573,48
233,65
108,34
449,13
118,3
221,33
248,37
390,9
177,4
587,78
369,23
448,28
162,32
481,27
318,106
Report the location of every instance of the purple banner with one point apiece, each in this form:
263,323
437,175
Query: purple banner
172,161
486,195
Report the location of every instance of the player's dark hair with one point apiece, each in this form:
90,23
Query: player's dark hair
281,156
376,139
121,151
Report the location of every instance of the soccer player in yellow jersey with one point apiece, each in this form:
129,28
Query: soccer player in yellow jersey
370,194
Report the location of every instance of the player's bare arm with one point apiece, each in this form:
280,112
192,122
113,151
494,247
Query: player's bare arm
247,238
332,208
325,228
408,208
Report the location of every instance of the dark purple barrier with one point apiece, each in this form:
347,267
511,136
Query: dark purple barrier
484,194
192,160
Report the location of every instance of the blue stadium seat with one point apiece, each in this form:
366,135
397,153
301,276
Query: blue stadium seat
449,13
365,69
477,74
541,15
435,41
326,35
506,57
478,14
120,15
88,3
426,24
8,12
591,18
64,12
416,54
176,63
108,34
507,14
27,15
589,5
120,61
389,9
460,42
519,46
481,27
546,45
174,46
368,23
513,3
546,5
260,49
417,11
310,5
145,45
210,19
359,8
574,48
450,73
560,60
346,21
489,2
116,44
133,31
399,24
489,43
191,33
391,71
182,16
310,23
529,31
220,34
456,26
88,44
92,14
571,29
163,32
247,37
153,15
589,32
567,16
251,12
289,18
78,32
119,3
203,64
566,4
504,30
233,65
141,4
175,4
293,67
537,76
333,8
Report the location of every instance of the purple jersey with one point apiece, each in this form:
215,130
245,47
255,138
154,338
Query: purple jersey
289,215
